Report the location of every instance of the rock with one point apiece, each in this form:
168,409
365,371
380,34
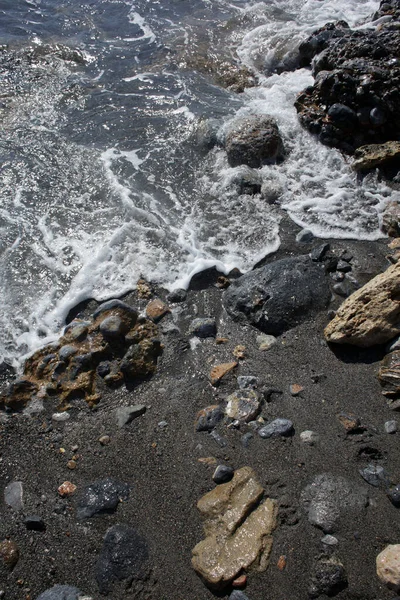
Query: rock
66,352
344,288
238,530
141,358
247,382
277,428
243,405
309,437
221,441
67,489
343,266
388,566
239,352
34,523
246,439
19,394
61,417
223,474
238,595
296,389
279,295
101,497
104,440
254,141
371,315
113,328
13,495
209,417
246,180
9,554
375,475
391,221
375,155
123,557
219,371
305,236
126,414
177,296
329,578
329,540
265,342
393,494
203,327
329,497
350,422
156,310
61,592
389,374
318,254
391,426
116,306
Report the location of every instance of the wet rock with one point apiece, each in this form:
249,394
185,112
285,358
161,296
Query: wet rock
141,359
309,437
203,327
375,155
391,426
305,236
329,497
254,141
375,475
177,296
208,418
101,497
66,352
219,371
371,315
13,495
329,578
19,394
116,306
113,328
278,296
243,405
238,530
126,414
123,557
223,474
388,566
389,374
277,428
9,554
391,220
247,382
265,341
156,310
246,180
61,592
393,494
34,523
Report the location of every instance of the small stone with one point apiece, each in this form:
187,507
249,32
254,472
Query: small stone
66,489
162,424
329,540
13,495
221,441
126,414
104,440
309,437
177,296
240,581
113,328
265,341
9,553
239,351
329,578
391,426
317,254
247,382
374,475
60,417
238,595
281,564
62,592
279,427
388,566
296,389
76,331
343,266
115,304
219,371
209,417
305,236
246,438
203,327
156,310
101,497
34,523
343,289
222,474
243,405
66,352
71,464
393,494
350,422
210,461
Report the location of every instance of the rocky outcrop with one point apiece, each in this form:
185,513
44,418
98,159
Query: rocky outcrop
376,155
254,141
114,345
238,530
279,295
371,315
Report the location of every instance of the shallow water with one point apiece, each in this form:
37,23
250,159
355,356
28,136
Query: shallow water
103,179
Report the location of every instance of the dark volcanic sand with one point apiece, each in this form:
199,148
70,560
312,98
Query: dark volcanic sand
167,479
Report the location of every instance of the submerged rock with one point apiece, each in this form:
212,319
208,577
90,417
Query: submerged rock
254,141
279,295
238,530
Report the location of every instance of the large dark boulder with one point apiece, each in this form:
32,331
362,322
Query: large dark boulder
254,141
279,295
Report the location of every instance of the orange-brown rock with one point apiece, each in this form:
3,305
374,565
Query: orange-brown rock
219,371
67,489
9,553
156,310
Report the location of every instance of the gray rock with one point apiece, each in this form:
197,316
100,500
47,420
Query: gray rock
329,540
126,414
102,496
209,417
177,296
223,473
60,417
279,427
309,437
391,426
247,382
246,439
243,405
66,352
112,327
330,497
265,341
203,327
375,475
305,236
123,557
279,295
329,578
393,494
393,345
238,595
343,266
317,254
221,441
344,288
110,304
61,592
13,495
77,331
254,141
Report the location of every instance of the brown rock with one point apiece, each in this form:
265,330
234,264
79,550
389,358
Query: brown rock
239,351
296,389
243,405
156,310
350,422
375,155
371,315
219,371
71,464
9,552
281,564
389,374
144,289
238,534
66,489
239,582
391,219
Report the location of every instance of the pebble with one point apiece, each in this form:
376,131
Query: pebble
309,437
114,303
343,266
209,417
71,464
394,495
329,578
223,474
126,414
279,427
221,441
247,381
374,475
239,351
329,540
100,497
61,417
391,426
112,327
265,341
9,553
388,566
350,422
156,310
240,581
13,495
66,352
104,440
296,389
245,439
238,595
219,371
34,523
176,296
203,327
66,489
243,405
61,592
162,424
305,236
343,289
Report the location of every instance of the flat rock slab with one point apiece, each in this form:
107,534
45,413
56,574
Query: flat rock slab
62,592
279,295
371,315
100,497
238,529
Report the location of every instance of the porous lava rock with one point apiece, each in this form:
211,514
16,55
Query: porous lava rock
279,295
254,141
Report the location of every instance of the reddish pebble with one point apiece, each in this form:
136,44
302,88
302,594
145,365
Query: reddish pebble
281,564
296,389
66,489
239,582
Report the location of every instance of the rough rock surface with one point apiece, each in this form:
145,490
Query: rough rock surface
279,295
329,578
371,315
61,592
254,141
375,155
389,374
100,497
388,566
238,532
